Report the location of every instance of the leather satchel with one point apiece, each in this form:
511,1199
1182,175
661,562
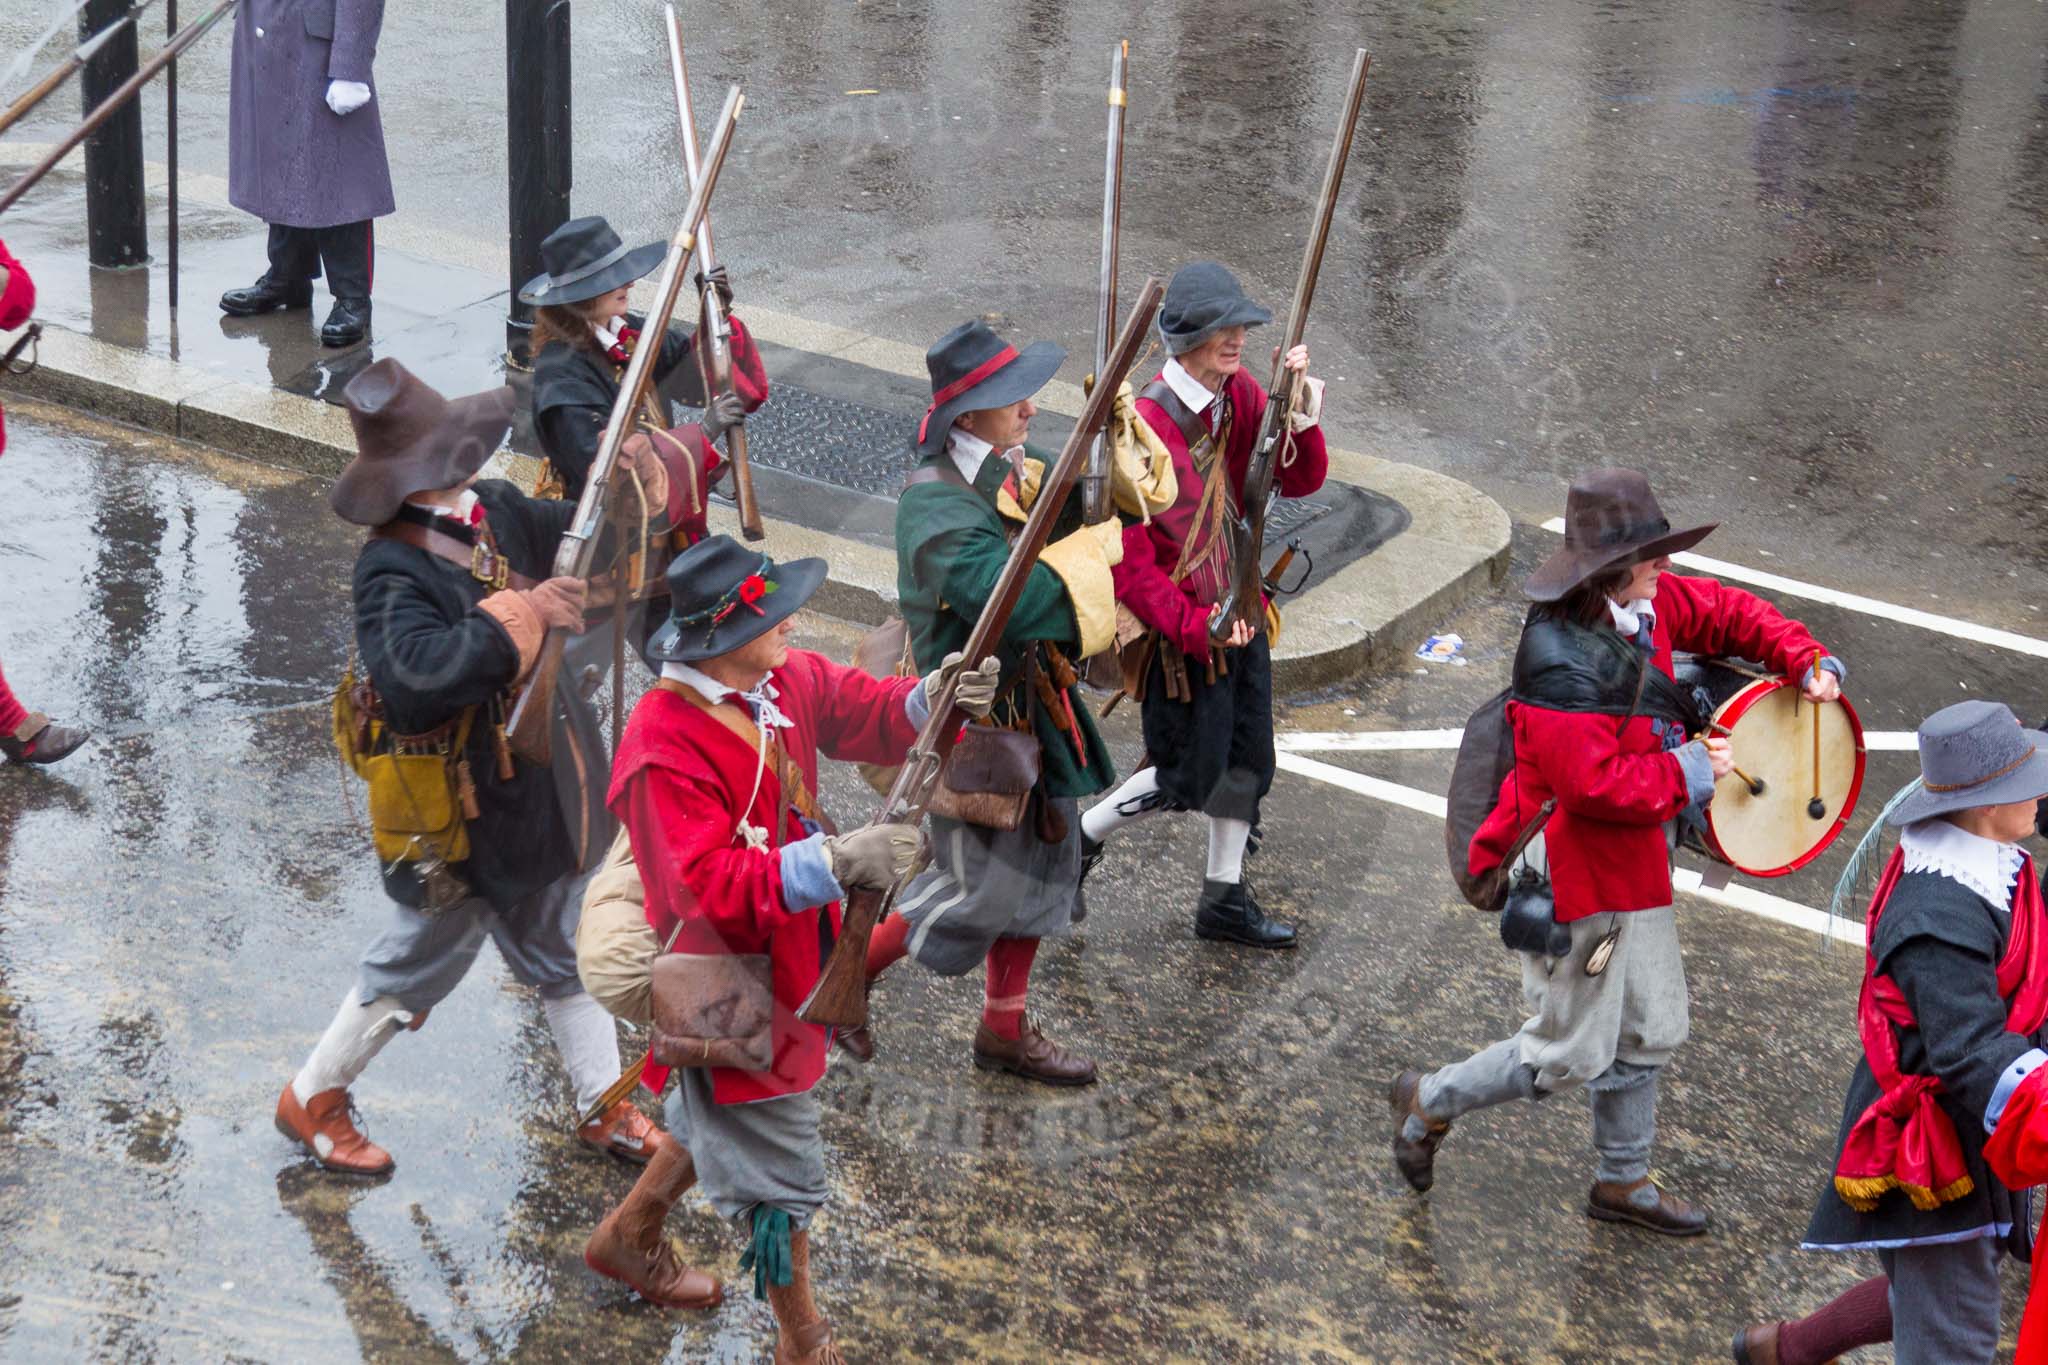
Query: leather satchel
713,1009
988,778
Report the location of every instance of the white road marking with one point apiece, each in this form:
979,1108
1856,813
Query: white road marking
1402,741
1745,898
1870,606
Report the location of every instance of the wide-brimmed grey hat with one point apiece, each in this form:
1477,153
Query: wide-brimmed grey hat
1975,753
1201,300
585,259
974,369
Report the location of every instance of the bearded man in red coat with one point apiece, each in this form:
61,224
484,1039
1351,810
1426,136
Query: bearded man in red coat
715,781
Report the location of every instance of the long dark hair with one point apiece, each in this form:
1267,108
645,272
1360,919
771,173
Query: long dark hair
1586,604
567,323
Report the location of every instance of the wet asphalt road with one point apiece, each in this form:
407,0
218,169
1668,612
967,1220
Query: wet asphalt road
181,903
1786,254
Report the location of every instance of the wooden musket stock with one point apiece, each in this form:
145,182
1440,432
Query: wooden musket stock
714,330
1095,492
167,54
840,997
527,727
1247,530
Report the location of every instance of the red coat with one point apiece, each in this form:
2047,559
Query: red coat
1614,782
17,301
2018,1155
1144,581
679,783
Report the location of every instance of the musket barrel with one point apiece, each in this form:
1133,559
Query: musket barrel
1095,492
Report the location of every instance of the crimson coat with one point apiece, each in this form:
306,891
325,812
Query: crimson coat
2018,1154
680,784
17,301
1144,581
1614,782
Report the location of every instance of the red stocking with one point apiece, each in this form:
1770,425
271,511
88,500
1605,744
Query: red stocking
1009,979
890,941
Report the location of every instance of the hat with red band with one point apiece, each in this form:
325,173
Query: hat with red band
972,368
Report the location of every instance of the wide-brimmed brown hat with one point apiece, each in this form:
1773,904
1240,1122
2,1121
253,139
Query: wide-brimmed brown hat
409,439
1610,517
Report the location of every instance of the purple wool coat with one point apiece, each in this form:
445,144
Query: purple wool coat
291,159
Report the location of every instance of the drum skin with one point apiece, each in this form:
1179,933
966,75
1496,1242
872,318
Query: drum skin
1769,726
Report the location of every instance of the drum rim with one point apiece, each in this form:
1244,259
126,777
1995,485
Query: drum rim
1738,706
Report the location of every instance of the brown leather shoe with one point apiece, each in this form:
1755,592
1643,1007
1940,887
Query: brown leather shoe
813,1346
1665,1213
622,1131
858,1043
632,1247
1757,1345
38,740
325,1126
1031,1055
1417,1159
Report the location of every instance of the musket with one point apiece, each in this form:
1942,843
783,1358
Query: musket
840,997
65,69
527,727
714,331
167,54
1247,530
1095,503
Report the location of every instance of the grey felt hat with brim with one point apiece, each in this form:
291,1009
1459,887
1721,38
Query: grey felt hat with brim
1201,300
1975,753
585,259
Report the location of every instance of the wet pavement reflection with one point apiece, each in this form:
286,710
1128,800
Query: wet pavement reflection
180,904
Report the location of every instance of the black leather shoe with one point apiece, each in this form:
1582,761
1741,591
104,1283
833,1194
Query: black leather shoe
347,324
1228,914
267,296
1091,854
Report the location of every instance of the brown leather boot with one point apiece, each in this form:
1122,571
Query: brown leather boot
857,1043
1757,1345
1416,1158
325,1127
631,1246
802,1335
1031,1055
1655,1210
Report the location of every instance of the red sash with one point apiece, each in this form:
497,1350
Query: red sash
1905,1140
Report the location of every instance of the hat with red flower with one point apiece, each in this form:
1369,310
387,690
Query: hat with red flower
723,594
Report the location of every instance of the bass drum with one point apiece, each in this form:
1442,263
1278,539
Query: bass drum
1797,789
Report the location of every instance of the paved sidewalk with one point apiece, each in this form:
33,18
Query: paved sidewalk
1397,546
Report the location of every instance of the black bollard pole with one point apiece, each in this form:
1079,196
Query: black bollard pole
171,158
537,156
117,232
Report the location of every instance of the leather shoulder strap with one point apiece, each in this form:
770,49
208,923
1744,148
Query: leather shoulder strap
1192,428
441,545
794,788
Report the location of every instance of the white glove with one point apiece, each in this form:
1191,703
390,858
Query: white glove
976,692
345,97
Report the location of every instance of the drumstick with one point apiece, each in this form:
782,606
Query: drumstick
1755,784
1816,809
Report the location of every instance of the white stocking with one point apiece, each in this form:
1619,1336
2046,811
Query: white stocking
588,1040
1227,841
357,1034
1138,797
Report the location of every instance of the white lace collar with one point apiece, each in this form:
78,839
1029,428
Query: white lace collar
762,698
1983,865
1630,618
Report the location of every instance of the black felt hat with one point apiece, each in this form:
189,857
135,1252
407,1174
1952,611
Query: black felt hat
1201,300
584,259
722,594
1610,517
972,368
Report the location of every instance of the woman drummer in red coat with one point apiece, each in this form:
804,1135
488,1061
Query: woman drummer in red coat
715,781
25,736
1604,982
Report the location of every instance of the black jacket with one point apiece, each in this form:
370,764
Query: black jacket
573,393
1941,942
430,653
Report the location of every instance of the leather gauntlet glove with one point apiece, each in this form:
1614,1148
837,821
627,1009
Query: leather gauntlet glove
976,693
874,858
